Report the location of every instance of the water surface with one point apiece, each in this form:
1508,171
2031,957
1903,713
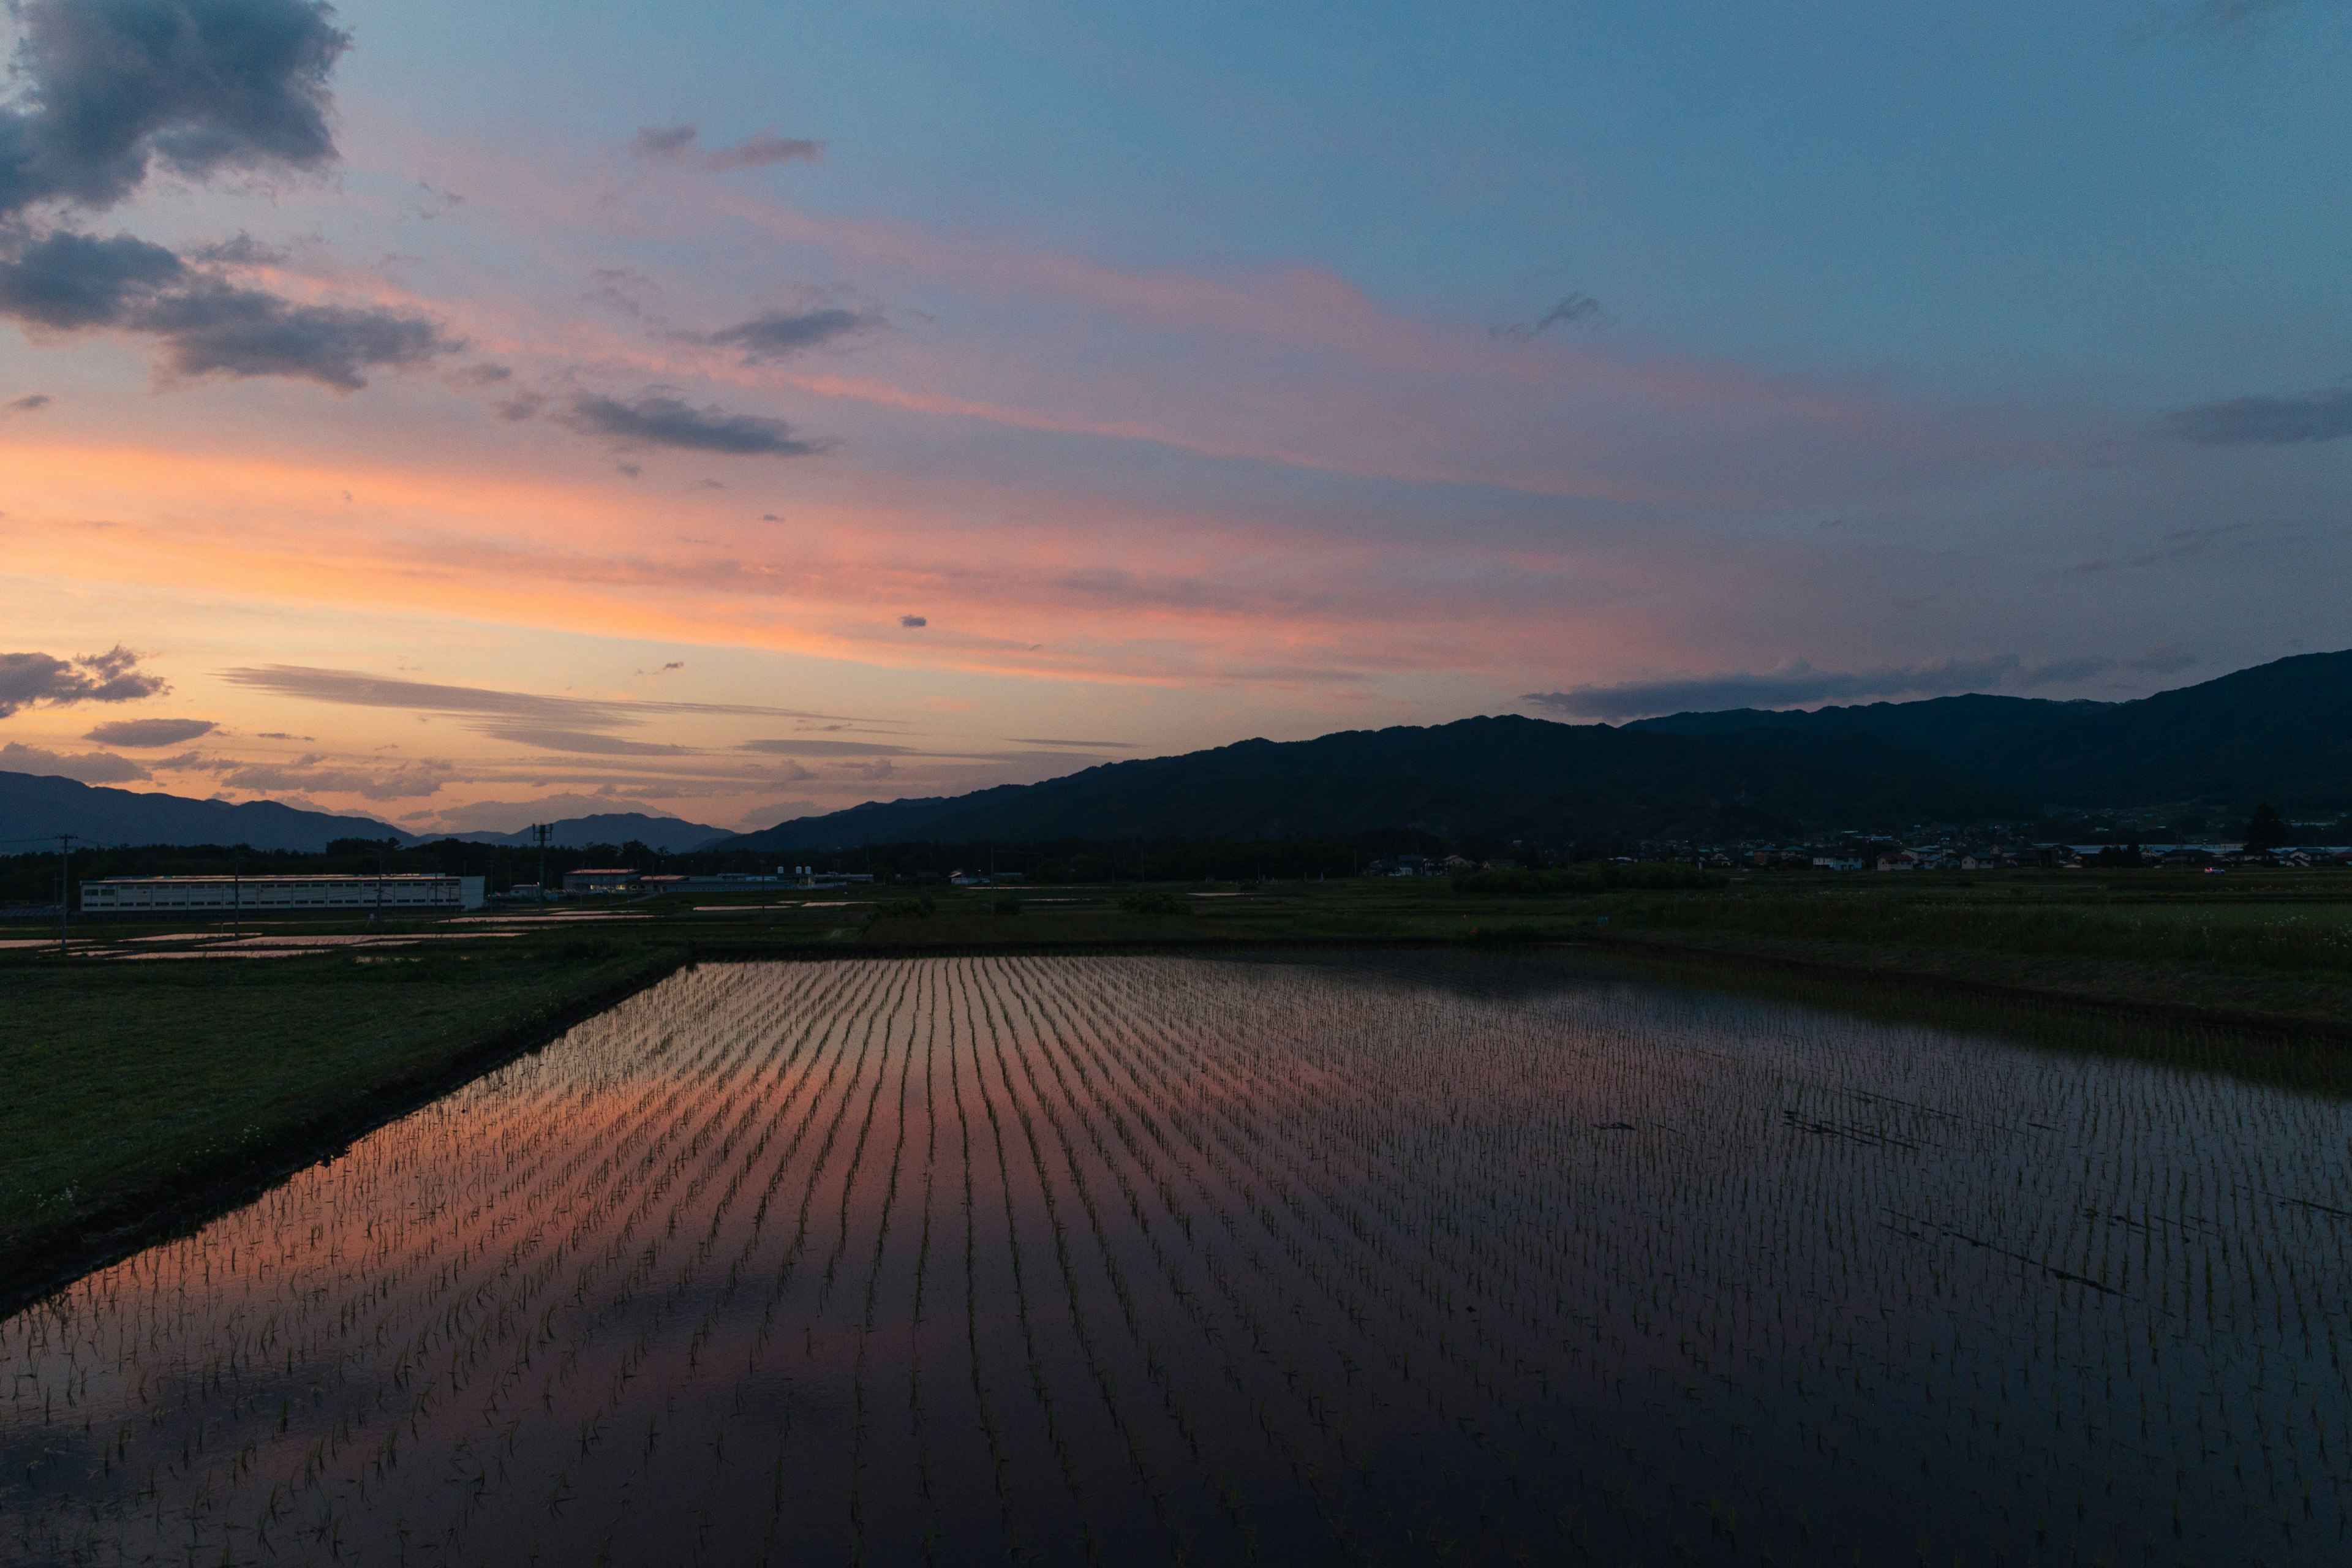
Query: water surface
1394,1259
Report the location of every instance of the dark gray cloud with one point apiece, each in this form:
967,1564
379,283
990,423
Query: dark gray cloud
114,675
777,333
657,417
1089,745
31,402
683,144
2299,417
69,283
1573,309
115,87
911,621
148,731
1797,684
89,767
66,282
214,329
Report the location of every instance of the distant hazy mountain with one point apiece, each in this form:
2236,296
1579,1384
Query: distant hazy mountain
1501,776
2280,732
668,834
36,805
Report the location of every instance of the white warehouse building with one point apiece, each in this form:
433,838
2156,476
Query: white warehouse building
264,895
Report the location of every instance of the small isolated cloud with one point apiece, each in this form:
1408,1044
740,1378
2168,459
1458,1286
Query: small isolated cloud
199,86
28,679
1794,684
683,144
778,334
1103,745
31,402
658,418
68,282
87,767
148,731
2297,417
770,517
675,664
914,620
1573,310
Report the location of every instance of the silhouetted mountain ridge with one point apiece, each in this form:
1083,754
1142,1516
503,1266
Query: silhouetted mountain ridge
2281,732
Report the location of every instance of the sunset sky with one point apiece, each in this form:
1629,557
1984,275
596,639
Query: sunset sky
469,414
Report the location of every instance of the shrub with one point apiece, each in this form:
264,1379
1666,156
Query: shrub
907,909
1156,903
1654,876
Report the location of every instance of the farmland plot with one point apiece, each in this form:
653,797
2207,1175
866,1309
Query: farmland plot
1422,1257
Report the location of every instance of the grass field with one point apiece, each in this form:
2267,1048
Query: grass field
134,1082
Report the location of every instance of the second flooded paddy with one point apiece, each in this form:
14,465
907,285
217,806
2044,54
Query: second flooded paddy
1405,1258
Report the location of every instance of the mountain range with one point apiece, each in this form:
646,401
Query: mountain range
35,807
2280,732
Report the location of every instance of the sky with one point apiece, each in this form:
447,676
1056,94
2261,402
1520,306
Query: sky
471,415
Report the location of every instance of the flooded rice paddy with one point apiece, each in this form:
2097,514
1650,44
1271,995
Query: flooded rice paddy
1403,1258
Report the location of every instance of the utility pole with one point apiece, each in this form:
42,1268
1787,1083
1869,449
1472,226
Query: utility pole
236,898
540,830
64,889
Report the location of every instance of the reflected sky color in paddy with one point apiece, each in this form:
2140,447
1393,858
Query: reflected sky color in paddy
1167,1260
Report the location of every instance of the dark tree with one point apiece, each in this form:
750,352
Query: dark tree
2266,830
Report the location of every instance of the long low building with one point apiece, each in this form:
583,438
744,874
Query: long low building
265,895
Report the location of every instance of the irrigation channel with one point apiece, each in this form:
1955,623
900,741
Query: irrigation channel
1384,1258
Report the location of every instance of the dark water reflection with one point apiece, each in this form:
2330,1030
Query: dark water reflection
1420,1257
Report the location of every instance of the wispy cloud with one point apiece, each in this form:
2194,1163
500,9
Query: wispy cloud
683,144
793,746
352,689
1574,309
87,767
2324,414
150,732
777,334
657,418
1796,684
582,742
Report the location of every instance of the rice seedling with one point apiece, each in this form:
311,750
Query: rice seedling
1485,1255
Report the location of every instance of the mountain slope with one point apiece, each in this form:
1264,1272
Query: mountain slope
2280,732
37,806
670,835
1499,776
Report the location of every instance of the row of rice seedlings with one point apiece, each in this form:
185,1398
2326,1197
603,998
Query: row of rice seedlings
1529,1266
